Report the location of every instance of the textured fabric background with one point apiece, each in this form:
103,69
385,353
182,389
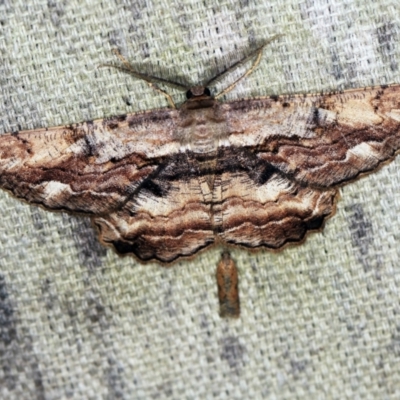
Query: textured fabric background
319,320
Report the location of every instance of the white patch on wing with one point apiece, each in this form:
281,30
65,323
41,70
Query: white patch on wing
240,186
122,142
54,189
394,114
357,113
326,117
364,151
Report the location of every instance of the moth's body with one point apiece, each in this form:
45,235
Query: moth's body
228,292
201,125
166,183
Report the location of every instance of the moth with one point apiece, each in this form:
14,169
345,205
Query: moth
166,183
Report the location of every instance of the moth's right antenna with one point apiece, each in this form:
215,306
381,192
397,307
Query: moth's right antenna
257,53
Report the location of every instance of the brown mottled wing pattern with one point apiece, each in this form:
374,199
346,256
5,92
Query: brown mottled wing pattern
293,151
108,169
166,183
167,218
93,167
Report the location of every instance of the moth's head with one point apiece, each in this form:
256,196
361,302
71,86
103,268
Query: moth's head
199,97
198,93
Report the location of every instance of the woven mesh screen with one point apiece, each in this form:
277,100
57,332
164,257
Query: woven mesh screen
319,320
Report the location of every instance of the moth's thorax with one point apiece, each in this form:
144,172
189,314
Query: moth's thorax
201,124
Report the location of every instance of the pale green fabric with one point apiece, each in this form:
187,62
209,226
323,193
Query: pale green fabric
319,320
